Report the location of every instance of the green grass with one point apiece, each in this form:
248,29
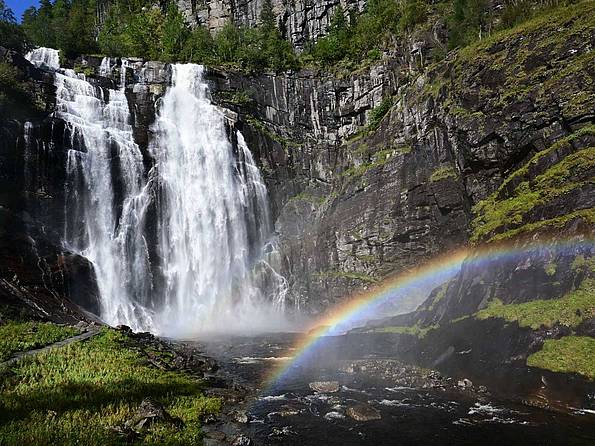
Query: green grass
587,215
414,330
379,112
78,393
353,275
494,213
570,354
570,310
442,173
379,159
22,336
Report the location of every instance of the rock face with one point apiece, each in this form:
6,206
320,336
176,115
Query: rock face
372,173
353,207
38,276
299,21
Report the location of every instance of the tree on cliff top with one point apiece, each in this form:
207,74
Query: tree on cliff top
11,34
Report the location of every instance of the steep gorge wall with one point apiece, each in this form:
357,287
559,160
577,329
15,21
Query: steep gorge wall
354,207
354,204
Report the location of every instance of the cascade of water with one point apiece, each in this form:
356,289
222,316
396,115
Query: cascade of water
214,221
44,58
186,246
106,201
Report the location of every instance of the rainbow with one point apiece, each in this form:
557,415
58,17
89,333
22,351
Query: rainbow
365,305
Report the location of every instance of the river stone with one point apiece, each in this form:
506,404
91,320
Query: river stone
150,412
242,440
363,412
240,416
325,386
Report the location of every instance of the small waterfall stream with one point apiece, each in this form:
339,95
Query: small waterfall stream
180,246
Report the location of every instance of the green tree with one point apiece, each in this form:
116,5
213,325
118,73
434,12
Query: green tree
336,45
467,22
413,12
175,34
11,35
199,47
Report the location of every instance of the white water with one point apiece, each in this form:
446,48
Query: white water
181,243
213,214
44,58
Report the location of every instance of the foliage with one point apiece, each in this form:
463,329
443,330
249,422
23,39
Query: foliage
22,336
378,159
442,173
570,354
495,213
363,37
468,21
12,35
379,112
65,25
415,330
570,310
79,393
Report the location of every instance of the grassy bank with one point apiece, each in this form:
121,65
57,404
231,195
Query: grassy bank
21,336
570,354
85,392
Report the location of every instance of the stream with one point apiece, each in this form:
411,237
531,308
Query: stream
409,405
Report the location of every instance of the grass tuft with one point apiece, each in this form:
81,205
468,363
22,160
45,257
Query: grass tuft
570,354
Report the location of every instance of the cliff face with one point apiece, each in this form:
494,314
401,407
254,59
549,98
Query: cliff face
299,21
373,173
38,276
354,204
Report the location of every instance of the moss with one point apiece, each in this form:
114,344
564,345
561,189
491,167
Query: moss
84,69
262,128
404,150
22,336
570,354
561,178
79,393
307,197
442,173
459,319
379,159
240,97
352,275
550,268
580,263
378,113
438,296
570,310
414,330
588,215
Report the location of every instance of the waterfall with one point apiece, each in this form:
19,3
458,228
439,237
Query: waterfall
214,225
44,58
185,243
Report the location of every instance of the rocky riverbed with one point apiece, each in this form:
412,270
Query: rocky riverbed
367,400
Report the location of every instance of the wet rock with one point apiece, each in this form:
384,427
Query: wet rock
216,435
240,416
150,412
209,419
363,412
465,383
242,440
325,386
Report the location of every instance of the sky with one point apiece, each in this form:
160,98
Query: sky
18,6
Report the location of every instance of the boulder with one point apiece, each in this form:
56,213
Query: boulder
363,412
150,412
325,386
